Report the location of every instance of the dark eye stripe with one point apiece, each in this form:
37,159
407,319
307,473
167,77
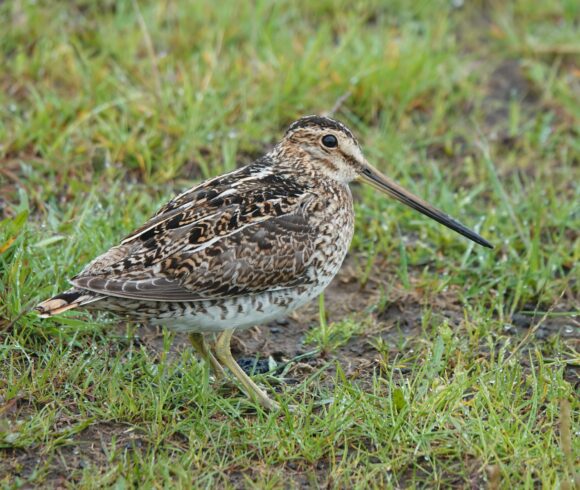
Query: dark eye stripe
330,141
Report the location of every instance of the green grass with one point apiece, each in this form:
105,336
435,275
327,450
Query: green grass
435,362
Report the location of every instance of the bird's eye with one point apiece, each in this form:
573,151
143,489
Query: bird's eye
330,141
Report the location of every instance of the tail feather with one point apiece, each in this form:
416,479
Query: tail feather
73,298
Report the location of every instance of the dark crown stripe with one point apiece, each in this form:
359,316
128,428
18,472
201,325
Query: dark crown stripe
319,122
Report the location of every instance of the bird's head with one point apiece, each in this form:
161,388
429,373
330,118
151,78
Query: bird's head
328,145
330,149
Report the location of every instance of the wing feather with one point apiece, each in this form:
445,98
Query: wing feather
272,254
243,233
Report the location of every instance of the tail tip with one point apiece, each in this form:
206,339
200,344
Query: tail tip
52,306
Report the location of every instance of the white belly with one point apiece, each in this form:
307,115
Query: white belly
241,312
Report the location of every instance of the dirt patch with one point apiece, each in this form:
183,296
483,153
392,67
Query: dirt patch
541,328
508,82
85,449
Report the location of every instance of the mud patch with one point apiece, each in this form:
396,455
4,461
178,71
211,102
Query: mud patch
83,450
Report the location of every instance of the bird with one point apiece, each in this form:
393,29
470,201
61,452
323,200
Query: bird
243,248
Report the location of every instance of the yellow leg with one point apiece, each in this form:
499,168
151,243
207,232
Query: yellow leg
223,353
204,351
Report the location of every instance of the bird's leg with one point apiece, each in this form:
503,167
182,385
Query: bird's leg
200,345
223,353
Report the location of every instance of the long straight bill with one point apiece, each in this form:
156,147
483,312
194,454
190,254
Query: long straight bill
384,184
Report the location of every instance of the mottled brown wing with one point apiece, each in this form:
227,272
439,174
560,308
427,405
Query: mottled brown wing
269,254
200,217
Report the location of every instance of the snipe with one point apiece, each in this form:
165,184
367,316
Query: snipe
243,248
